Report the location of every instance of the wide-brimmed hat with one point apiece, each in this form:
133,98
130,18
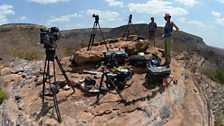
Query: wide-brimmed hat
167,15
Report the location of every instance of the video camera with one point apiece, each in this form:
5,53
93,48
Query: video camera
97,18
48,37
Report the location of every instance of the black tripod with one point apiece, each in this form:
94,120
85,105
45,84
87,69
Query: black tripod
51,57
109,85
94,31
127,29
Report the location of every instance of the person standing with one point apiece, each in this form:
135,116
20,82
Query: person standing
168,41
152,31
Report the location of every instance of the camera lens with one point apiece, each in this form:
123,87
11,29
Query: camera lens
54,29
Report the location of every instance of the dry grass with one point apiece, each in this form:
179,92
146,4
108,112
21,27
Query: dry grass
31,53
219,121
68,52
215,75
3,96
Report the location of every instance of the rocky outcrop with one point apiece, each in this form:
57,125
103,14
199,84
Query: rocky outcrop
95,54
188,100
193,110
180,104
211,91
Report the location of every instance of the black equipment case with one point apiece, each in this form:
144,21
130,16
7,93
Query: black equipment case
115,58
157,74
138,61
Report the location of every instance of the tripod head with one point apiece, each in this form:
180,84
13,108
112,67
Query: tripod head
130,18
48,37
94,31
97,18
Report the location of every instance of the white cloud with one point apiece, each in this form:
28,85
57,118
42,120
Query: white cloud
5,10
22,18
141,22
197,24
58,20
221,1
217,17
215,14
48,1
3,20
220,21
115,3
62,19
106,15
63,22
181,19
66,22
157,7
189,3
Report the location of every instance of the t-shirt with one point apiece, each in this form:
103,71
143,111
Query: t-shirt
168,29
152,26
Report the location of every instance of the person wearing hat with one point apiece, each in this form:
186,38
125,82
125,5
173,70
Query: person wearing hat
152,30
168,41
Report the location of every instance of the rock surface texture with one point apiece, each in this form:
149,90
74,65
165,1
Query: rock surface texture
95,54
185,102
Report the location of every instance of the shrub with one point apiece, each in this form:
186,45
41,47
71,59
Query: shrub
219,121
215,75
68,52
3,96
219,76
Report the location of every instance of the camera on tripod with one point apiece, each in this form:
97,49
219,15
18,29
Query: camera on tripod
130,18
48,37
97,18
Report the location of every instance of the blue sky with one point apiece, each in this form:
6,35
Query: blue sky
204,18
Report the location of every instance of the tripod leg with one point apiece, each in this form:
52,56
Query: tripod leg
125,31
91,37
94,33
63,72
44,80
47,74
128,33
53,90
114,86
154,39
101,83
154,43
102,36
135,29
89,42
101,32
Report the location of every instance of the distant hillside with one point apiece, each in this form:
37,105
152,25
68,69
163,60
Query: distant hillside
21,40
182,38
182,41
16,39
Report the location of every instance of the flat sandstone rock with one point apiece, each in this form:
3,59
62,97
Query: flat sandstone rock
95,54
